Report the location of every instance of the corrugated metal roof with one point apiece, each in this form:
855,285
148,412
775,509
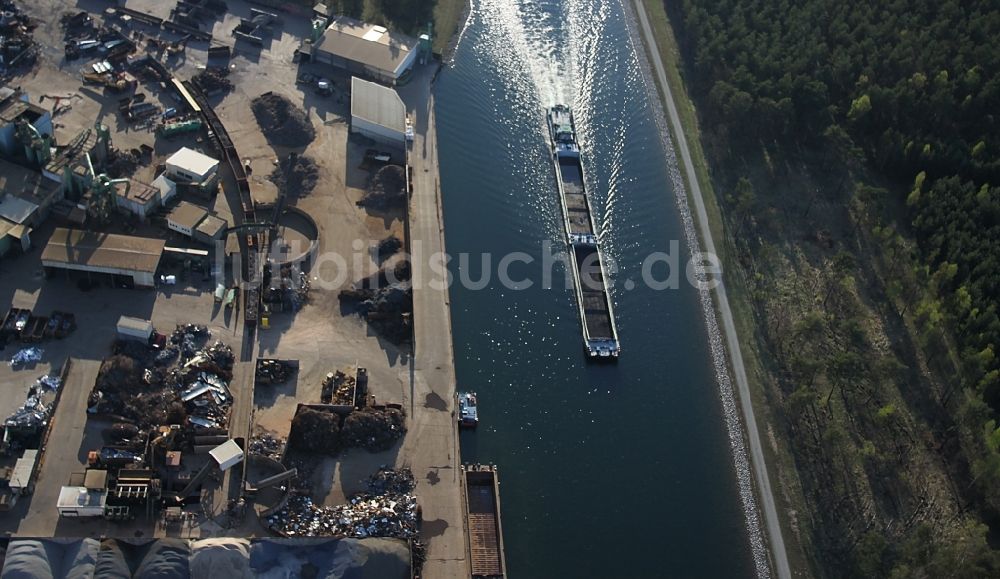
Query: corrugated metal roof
345,37
103,250
192,161
377,104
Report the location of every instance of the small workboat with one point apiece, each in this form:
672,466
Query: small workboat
468,413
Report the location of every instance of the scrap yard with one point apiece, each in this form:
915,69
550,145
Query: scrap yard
183,363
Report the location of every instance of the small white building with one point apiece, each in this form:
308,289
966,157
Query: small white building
190,166
81,502
184,219
378,113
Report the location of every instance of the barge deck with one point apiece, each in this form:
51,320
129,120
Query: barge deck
482,495
600,335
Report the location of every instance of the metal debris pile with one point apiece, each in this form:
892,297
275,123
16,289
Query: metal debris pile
338,388
26,356
213,80
49,382
31,415
386,480
204,386
266,444
388,509
138,385
273,371
183,342
17,47
289,291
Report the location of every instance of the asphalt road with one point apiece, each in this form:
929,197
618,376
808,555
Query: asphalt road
779,557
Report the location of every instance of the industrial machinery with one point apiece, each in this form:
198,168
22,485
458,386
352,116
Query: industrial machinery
37,147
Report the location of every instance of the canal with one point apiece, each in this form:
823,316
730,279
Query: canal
606,470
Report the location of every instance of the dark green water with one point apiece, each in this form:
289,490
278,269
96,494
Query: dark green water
606,470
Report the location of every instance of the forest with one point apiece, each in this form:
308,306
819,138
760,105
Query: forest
855,149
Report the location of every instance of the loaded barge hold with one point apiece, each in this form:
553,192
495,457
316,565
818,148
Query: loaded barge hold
600,336
482,501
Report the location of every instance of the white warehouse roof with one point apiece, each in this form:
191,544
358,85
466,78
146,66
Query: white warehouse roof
377,104
192,161
227,454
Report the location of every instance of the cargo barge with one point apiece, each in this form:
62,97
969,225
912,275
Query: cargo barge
482,499
600,335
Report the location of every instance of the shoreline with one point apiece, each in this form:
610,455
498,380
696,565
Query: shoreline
726,351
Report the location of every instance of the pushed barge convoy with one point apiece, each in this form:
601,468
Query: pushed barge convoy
600,336
482,500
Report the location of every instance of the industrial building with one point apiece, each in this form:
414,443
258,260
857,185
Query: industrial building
185,218
365,49
81,502
15,106
25,201
211,228
378,113
128,260
196,222
167,189
190,166
138,198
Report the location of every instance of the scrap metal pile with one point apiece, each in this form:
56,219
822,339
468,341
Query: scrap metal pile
290,291
183,342
26,356
388,509
338,388
17,47
273,371
213,80
266,444
204,382
137,384
34,413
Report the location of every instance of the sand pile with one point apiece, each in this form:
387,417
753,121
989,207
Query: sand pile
283,123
